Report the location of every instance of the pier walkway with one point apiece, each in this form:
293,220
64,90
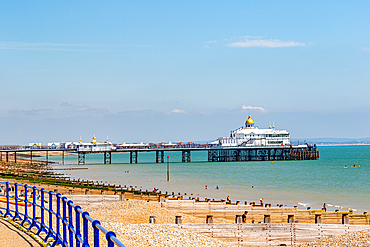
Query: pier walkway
216,153
11,236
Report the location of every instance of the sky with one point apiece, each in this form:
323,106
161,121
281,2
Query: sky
157,71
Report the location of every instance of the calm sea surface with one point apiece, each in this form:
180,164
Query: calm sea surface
302,183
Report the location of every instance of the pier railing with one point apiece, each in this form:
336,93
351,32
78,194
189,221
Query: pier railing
51,216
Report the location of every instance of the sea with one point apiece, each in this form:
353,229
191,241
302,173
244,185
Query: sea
340,177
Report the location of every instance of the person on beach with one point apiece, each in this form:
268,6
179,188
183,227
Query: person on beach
217,187
324,207
228,198
244,217
261,200
206,187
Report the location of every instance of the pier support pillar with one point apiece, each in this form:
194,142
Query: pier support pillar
62,157
107,158
15,157
81,158
133,157
47,157
212,155
159,156
7,156
31,156
186,157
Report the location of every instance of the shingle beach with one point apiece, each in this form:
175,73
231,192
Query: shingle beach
353,239
129,219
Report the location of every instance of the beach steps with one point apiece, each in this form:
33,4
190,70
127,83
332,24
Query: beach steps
272,234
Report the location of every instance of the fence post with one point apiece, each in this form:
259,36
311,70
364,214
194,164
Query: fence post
86,229
70,225
108,236
25,206
34,223
96,233
7,201
50,234
64,220
16,214
42,226
58,219
78,226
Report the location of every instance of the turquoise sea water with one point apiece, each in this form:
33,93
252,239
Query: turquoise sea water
302,183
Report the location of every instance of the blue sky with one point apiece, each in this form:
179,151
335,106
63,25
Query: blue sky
182,70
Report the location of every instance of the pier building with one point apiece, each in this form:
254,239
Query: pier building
95,146
251,136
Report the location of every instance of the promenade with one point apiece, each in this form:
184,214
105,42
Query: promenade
11,236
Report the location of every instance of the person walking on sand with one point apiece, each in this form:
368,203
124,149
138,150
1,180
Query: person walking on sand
206,187
324,207
244,217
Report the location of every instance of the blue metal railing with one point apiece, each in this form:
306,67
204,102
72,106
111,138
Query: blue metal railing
62,222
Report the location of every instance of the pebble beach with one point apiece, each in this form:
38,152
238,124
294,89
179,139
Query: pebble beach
353,239
129,220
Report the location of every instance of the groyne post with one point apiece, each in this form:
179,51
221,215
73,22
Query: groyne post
266,218
209,219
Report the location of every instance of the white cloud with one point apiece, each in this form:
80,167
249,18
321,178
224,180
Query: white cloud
258,108
178,111
366,48
272,43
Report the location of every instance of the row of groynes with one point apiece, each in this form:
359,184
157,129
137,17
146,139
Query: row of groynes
41,175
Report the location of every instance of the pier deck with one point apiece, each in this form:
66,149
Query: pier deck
215,153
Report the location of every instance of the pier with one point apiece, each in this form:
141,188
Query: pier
216,153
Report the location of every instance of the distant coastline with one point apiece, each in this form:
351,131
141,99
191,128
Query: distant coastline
341,144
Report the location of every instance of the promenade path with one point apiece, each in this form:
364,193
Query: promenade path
11,236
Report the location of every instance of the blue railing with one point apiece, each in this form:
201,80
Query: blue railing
62,223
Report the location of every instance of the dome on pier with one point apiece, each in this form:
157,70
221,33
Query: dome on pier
249,123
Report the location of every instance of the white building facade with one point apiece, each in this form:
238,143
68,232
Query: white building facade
250,135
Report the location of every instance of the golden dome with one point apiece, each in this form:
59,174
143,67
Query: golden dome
249,120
